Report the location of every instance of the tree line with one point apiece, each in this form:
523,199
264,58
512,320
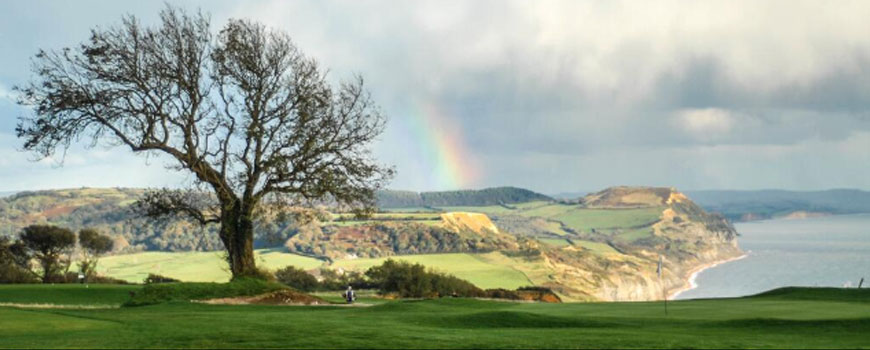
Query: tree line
484,197
45,253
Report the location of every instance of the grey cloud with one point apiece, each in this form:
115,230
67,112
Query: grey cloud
590,89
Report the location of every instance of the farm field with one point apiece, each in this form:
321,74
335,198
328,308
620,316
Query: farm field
192,266
791,318
585,220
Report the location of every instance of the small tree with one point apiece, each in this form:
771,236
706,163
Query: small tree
93,245
49,246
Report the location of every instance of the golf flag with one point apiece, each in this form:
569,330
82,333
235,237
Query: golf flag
659,268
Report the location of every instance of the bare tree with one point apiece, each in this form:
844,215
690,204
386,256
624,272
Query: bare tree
245,112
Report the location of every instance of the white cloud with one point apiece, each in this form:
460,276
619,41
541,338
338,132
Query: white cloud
705,124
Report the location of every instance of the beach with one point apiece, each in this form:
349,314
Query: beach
691,284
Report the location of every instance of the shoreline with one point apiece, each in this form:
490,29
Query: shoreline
690,282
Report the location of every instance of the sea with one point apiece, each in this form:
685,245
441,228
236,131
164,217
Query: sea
830,251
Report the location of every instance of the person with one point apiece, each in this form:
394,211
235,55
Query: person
349,295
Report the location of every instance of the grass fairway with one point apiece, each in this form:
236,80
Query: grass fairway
66,294
192,266
820,318
475,268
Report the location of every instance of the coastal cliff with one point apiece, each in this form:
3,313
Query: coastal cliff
685,236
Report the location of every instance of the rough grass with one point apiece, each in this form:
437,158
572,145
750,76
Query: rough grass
192,266
596,247
830,320
470,267
167,292
632,235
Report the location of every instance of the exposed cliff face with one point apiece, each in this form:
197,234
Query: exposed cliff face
686,237
686,248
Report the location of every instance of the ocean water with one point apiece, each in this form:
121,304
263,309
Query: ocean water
831,251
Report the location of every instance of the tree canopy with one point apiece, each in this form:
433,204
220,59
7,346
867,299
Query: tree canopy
47,245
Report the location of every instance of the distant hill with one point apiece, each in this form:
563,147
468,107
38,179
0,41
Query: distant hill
484,197
598,247
4,194
766,204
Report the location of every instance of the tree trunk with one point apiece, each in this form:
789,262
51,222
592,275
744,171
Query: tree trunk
237,234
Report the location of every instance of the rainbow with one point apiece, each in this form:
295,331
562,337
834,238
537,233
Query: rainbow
444,160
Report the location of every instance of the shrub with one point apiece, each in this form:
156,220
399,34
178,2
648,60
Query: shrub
501,293
412,280
155,278
260,274
297,278
11,273
332,280
105,280
535,289
156,293
11,270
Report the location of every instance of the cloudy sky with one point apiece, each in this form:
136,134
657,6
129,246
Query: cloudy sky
552,96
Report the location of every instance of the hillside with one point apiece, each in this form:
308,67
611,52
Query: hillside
106,210
766,204
602,247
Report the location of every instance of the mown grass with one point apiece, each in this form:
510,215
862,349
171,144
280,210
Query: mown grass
471,267
67,294
192,266
786,320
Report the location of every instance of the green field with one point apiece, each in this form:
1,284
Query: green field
585,220
798,318
192,266
479,269
555,242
